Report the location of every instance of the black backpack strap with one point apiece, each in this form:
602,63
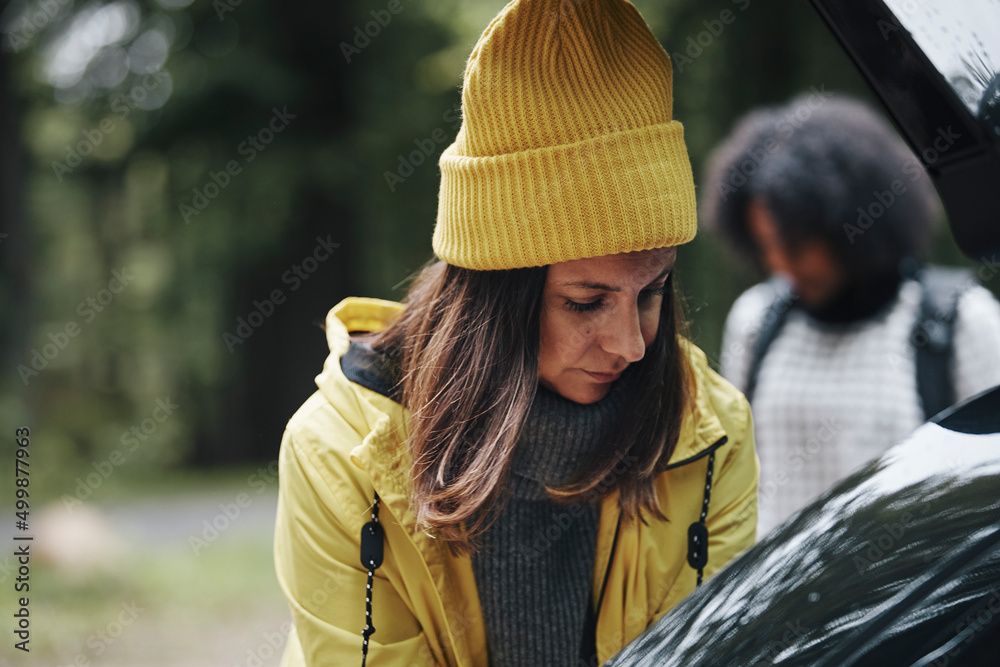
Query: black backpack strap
933,335
772,319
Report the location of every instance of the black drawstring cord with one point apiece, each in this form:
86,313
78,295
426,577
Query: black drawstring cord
371,558
372,547
697,532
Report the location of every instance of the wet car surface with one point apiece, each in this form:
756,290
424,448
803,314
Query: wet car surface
897,565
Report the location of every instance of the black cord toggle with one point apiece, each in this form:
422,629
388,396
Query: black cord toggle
697,545
371,545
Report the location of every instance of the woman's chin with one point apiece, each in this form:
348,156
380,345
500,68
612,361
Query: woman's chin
582,393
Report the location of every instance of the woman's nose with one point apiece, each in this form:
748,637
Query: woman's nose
623,337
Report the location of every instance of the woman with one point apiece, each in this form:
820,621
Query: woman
526,463
836,357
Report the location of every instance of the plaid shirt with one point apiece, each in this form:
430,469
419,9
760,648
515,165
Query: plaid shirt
830,397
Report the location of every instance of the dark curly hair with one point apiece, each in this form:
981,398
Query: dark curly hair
828,168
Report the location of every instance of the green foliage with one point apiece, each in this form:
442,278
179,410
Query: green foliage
353,116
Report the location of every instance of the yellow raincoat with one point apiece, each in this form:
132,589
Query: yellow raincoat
347,442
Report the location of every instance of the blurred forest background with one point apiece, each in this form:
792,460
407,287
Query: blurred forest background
167,165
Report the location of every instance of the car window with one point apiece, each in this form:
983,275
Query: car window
962,41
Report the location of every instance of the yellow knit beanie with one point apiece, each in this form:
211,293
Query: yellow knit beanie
567,147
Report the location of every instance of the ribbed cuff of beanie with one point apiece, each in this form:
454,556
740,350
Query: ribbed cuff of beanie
620,192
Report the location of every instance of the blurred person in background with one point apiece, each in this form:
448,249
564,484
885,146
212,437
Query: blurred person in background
853,342
526,462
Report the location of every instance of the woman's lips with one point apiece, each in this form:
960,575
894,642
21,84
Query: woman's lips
604,377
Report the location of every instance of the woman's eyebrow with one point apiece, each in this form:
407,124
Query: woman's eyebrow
587,284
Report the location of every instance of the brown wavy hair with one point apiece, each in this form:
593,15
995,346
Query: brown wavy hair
465,349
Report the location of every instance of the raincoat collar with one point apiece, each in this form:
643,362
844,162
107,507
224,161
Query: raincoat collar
382,453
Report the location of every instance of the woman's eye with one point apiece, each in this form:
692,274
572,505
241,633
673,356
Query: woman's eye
655,291
591,306
578,307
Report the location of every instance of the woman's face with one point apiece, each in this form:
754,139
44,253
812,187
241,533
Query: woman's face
598,316
811,267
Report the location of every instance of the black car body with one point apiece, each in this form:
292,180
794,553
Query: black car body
899,564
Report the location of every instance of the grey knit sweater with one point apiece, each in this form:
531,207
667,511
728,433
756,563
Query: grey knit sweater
534,570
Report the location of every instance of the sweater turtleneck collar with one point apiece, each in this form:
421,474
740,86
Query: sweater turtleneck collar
559,434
